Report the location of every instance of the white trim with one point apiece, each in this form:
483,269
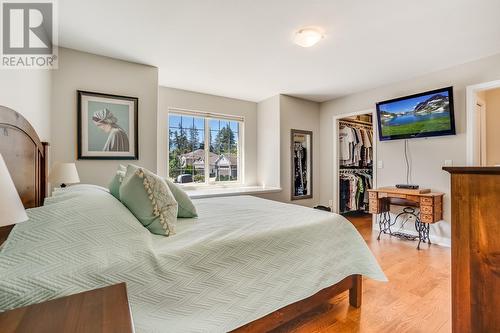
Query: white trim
206,139
229,191
482,129
206,114
471,101
336,168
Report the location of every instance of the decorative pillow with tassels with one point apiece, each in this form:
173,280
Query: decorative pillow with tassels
149,198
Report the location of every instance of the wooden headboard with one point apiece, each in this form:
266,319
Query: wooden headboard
25,156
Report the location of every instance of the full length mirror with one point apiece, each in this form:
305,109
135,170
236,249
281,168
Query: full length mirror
301,171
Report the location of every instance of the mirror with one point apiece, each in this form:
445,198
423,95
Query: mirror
301,164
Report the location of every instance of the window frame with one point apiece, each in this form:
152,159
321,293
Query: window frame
207,116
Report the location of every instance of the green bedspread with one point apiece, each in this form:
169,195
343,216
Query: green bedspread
242,258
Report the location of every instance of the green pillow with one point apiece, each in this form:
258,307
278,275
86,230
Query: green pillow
186,206
149,198
114,186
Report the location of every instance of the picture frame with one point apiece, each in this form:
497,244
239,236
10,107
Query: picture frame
107,126
301,171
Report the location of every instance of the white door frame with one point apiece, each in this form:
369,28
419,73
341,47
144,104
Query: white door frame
482,129
471,101
336,163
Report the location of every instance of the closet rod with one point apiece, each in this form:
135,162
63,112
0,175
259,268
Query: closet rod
354,170
360,122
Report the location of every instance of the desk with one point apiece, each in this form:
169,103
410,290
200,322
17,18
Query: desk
428,208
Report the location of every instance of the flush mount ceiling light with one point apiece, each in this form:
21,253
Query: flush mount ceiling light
307,37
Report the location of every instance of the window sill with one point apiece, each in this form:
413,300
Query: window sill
230,191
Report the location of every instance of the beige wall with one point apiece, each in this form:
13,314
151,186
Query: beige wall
268,142
427,155
27,91
84,71
492,99
296,113
183,99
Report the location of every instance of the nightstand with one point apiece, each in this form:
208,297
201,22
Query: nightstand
103,310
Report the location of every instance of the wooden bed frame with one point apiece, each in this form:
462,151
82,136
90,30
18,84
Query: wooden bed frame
26,158
353,283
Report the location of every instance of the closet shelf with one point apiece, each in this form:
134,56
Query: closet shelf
360,122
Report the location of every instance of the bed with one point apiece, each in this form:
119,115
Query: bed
246,264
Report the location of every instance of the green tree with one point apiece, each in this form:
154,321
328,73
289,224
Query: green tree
225,141
178,145
181,141
194,138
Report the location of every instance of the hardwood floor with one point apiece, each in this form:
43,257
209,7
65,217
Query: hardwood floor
417,297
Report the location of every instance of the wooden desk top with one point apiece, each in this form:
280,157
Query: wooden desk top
103,310
417,192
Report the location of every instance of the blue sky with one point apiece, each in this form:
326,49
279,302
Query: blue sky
407,104
174,121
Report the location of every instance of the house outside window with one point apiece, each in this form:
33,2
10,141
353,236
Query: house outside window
204,148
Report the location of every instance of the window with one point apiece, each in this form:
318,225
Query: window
204,148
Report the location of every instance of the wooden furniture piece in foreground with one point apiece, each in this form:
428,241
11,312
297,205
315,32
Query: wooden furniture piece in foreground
475,249
430,205
275,319
104,310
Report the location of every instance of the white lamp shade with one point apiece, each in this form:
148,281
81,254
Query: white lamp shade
11,208
64,173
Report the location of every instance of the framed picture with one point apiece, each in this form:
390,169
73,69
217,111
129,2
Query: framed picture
107,127
301,171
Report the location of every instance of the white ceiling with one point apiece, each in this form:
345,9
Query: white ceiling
243,48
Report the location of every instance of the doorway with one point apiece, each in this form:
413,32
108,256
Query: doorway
354,159
483,113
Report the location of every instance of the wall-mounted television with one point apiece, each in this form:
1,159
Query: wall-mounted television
417,116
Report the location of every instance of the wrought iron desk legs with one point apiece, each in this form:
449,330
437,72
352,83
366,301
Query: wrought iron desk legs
384,222
423,232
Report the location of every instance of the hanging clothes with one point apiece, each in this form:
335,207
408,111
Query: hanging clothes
300,173
354,186
355,144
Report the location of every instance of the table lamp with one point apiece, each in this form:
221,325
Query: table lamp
63,174
11,208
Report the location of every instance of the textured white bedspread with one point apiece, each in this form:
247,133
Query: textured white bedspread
243,258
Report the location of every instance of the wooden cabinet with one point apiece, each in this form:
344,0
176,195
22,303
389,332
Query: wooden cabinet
104,310
475,243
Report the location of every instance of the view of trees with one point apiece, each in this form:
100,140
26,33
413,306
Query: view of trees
180,143
224,142
186,137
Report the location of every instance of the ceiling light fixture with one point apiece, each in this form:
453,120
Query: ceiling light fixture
307,37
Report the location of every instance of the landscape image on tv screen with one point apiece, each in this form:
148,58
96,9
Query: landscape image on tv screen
416,116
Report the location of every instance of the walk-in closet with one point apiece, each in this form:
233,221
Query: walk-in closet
355,163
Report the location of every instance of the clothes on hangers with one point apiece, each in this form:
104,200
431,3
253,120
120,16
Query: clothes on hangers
355,144
354,185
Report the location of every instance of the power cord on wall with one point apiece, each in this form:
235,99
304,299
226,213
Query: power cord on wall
408,166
